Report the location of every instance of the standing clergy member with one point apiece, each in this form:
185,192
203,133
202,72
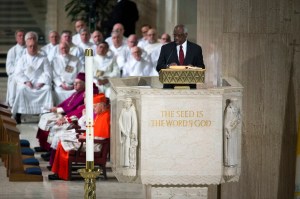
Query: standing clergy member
13,55
33,77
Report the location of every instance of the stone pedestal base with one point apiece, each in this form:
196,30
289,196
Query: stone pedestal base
178,192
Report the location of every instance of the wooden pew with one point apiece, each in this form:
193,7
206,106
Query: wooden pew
3,135
9,134
15,170
4,105
5,111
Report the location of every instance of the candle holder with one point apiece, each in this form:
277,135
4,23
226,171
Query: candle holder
89,174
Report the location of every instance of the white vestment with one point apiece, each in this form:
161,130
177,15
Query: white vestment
74,50
105,67
57,132
65,69
50,50
48,120
13,55
142,43
109,40
119,54
137,68
35,69
153,51
76,39
87,45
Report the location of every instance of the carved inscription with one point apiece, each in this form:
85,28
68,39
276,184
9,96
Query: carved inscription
181,118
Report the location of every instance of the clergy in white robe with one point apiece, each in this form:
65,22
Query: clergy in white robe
65,69
97,37
118,28
118,49
104,67
79,24
50,48
85,41
137,65
144,40
33,77
13,55
153,49
66,36
131,42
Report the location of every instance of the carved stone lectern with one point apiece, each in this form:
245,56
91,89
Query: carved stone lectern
176,142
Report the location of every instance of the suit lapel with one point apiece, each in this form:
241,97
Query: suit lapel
174,53
187,54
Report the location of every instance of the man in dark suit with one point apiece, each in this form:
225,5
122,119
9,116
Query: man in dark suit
126,13
180,52
169,53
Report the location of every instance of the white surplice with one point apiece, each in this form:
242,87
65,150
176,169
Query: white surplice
105,67
50,50
137,68
65,69
35,69
13,55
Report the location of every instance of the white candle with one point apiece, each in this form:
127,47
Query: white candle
89,105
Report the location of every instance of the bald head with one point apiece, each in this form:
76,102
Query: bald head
132,40
64,48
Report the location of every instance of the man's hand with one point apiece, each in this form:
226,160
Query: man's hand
60,121
102,81
29,84
39,85
53,109
66,87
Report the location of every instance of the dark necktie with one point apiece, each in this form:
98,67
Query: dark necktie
181,55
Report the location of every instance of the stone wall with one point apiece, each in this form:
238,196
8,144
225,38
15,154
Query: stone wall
256,42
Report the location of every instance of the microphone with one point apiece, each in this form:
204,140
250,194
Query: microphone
167,66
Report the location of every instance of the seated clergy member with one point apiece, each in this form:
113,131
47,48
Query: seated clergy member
136,65
104,67
59,127
97,37
85,40
79,24
101,131
66,36
67,106
33,77
65,69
